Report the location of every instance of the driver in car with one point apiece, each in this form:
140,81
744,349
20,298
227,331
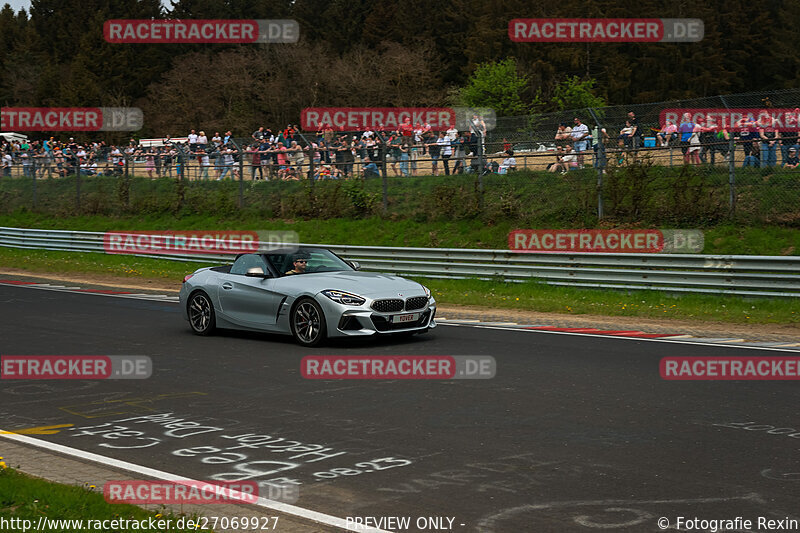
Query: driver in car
300,263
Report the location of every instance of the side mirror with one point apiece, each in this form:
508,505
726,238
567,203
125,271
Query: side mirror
255,272
355,264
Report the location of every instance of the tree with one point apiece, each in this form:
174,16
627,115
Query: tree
573,93
496,85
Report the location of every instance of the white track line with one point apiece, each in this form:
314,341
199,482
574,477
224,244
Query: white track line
596,335
293,510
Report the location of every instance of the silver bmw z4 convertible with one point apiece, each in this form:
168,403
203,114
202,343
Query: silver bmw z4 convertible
310,293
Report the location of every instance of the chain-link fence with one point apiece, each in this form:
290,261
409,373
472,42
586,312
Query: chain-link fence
644,162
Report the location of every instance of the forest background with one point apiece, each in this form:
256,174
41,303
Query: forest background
362,53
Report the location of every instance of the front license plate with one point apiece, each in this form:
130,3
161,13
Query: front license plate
412,317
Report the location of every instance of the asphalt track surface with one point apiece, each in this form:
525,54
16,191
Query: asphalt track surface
575,433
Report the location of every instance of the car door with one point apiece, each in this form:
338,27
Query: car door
249,301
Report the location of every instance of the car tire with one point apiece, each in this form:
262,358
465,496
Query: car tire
202,319
308,322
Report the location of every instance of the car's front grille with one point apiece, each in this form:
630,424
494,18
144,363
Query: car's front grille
417,302
388,306
382,323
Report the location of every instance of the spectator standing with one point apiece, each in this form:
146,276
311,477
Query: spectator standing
168,157
769,142
460,153
150,164
205,164
8,162
452,134
686,130
227,162
636,135
579,136
193,141
434,150
405,149
216,141
259,134
202,141
28,168
695,146
255,161
283,160
446,148
266,158
406,128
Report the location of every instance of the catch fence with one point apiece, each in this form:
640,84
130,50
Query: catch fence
744,171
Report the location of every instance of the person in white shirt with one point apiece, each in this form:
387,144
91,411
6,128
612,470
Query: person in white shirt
202,140
452,133
446,150
508,164
579,136
193,141
7,162
205,163
566,162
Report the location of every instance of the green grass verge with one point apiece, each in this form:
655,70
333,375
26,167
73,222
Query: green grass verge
529,296
376,231
23,498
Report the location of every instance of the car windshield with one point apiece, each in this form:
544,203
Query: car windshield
316,260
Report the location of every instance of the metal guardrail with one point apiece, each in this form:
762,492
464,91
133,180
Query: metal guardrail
724,274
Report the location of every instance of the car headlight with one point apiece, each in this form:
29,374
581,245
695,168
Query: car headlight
427,291
344,298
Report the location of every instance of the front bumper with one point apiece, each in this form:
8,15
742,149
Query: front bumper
361,321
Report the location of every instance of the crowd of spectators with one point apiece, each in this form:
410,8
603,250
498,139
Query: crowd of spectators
289,154
759,141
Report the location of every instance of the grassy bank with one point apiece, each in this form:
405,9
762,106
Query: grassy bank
723,239
633,196
24,501
529,296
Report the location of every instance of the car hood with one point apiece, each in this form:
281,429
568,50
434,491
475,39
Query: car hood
369,284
